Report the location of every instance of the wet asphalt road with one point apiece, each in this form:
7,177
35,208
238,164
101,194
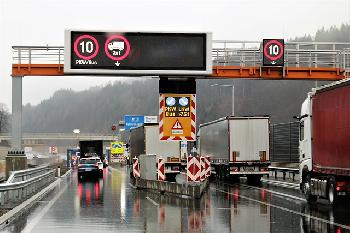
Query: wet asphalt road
112,205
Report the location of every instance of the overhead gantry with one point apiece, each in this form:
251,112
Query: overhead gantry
231,59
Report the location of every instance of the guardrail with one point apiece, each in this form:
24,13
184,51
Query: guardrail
284,171
23,184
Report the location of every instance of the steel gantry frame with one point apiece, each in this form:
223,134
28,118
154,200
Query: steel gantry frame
303,61
231,59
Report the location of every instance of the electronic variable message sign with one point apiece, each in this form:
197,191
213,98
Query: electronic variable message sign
273,52
137,53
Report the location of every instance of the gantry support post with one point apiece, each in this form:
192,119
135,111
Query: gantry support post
17,112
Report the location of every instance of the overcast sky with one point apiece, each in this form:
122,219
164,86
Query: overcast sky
42,22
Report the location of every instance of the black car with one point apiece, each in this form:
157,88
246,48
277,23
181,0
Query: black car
90,166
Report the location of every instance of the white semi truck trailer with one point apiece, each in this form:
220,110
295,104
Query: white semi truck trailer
238,146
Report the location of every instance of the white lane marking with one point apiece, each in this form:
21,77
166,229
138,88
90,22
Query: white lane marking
286,209
275,192
281,184
152,201
30,226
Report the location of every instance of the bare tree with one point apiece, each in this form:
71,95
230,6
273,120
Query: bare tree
4,118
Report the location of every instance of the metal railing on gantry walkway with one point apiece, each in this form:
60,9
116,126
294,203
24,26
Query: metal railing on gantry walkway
231,59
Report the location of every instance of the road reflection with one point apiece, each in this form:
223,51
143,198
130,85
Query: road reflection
340,215
90,192
162,213
255,214
112,204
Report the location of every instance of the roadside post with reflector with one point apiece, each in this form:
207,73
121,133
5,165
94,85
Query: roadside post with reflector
203,170
161,169
207,166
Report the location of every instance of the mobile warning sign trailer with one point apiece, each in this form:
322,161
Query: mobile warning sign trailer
177,117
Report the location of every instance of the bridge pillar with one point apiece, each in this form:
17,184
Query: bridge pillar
17,112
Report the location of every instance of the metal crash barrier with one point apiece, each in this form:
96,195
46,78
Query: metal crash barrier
284,171
23,184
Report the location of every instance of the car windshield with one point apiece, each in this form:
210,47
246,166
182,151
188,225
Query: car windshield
89,161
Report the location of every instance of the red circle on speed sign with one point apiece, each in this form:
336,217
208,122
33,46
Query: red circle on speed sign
114,127
272,56
117,47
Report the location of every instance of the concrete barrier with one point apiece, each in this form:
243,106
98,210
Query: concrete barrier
194,190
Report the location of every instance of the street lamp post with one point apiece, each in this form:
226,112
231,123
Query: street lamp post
120,134
76,132
233,94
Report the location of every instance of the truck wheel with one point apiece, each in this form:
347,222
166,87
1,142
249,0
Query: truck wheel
332,193
307,190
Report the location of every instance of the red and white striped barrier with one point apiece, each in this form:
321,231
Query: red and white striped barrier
193,169
161,169
203,170
135,167
207,166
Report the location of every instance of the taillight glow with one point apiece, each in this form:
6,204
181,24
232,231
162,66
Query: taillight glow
80,190
263,195
97,191
236,195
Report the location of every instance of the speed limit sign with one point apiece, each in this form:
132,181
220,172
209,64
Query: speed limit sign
86,47
273,52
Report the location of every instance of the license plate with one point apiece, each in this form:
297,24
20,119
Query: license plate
248,169
88,169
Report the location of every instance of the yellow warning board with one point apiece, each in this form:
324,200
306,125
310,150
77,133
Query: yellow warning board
177,117
117,148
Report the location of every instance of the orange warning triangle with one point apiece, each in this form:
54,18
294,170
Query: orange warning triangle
177,125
